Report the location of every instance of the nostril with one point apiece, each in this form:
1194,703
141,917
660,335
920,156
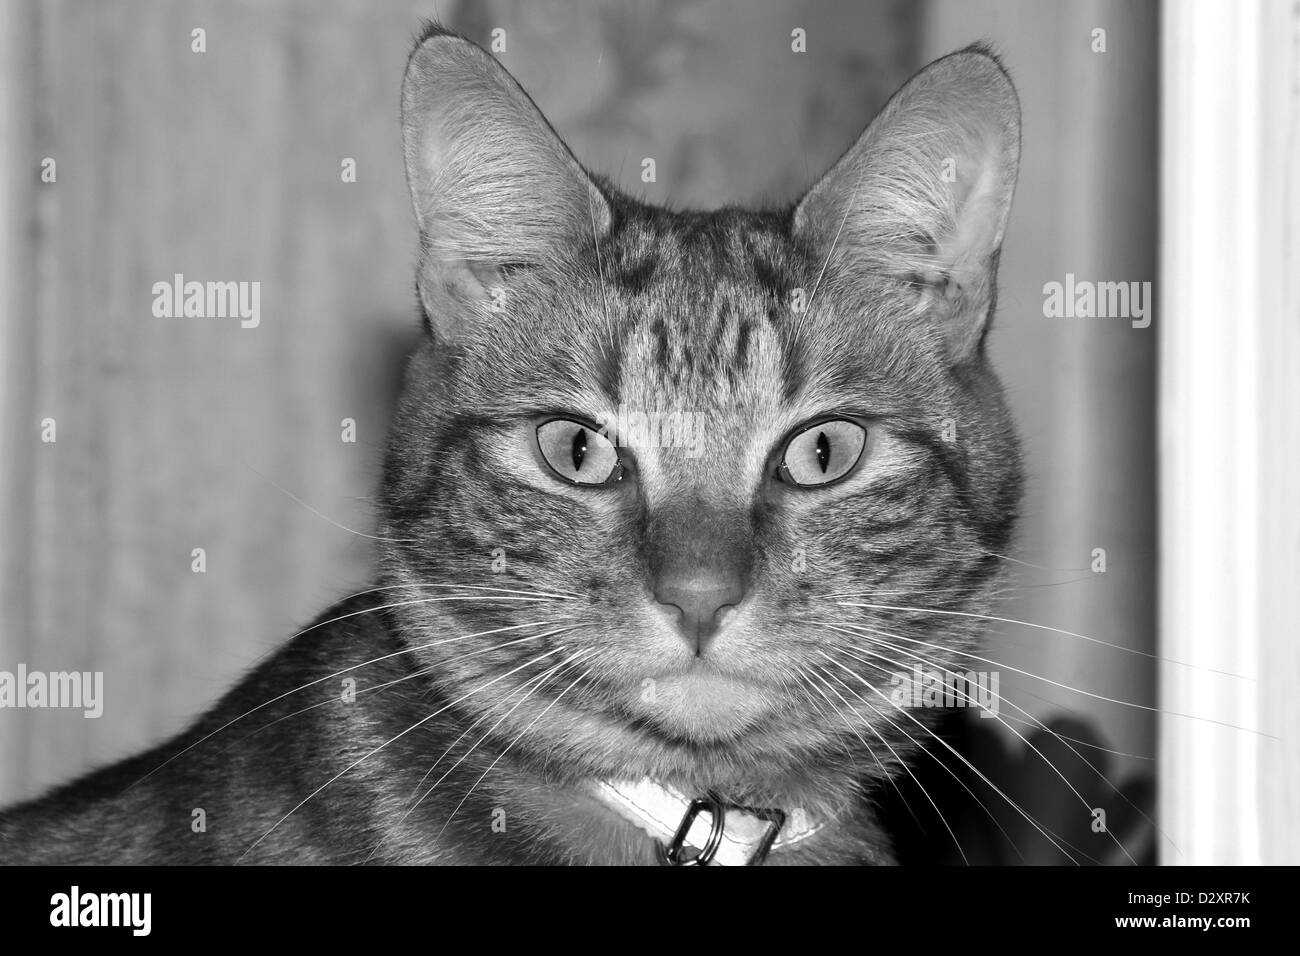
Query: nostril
700,605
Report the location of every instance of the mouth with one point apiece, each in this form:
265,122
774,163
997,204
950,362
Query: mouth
700,704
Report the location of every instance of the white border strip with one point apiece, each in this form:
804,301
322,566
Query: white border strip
1214,271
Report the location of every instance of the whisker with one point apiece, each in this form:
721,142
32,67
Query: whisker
999,590
1087,806
419,723
501,755
1074,740
885,774
1031,721
422,672
1044,627
322,703
325,517
906,768
1011,560
1076,690
1050,837
554,595
540,595
799,672
340,673
1040,725
452,746
540,679
978,802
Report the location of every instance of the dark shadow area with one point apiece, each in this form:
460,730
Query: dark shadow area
1101,824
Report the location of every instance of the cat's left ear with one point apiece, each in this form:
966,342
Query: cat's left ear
924,194
492,184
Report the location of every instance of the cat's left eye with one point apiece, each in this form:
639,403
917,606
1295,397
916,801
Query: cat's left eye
578,453
822,453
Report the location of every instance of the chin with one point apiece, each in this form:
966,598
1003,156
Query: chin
703,708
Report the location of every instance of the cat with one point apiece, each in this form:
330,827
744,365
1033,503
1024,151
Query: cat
584,646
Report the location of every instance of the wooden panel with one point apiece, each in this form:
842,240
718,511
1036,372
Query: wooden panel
17,378
223,165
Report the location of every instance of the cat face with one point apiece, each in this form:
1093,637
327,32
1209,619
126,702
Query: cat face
658,453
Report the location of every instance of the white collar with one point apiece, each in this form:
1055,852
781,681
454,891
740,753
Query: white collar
746,835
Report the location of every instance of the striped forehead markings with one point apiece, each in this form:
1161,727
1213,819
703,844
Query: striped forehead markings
682,255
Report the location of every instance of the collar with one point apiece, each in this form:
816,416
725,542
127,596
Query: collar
705,831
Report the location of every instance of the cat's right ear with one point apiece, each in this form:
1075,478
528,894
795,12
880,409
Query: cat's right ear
493,186
924,194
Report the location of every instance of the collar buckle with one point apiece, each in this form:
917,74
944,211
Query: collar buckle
680,853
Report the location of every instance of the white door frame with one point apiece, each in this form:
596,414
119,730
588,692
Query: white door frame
1230,431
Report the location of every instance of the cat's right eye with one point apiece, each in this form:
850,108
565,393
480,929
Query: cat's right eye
578,453
822,453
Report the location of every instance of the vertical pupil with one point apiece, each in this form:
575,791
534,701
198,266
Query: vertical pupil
580,448
823,451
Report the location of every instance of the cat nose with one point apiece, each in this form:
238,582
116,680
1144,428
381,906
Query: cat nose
701,600
700,562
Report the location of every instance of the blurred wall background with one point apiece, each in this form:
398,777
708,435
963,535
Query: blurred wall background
225,165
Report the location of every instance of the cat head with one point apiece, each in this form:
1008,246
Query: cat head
645,461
